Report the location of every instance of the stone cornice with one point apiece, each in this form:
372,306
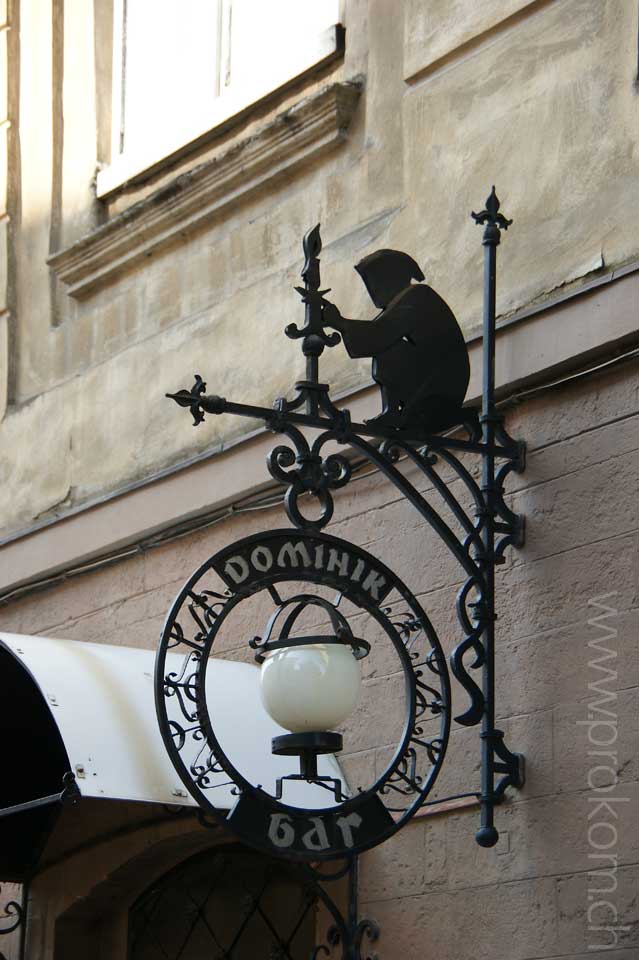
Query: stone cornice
291,139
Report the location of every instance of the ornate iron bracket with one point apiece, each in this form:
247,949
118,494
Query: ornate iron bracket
476,535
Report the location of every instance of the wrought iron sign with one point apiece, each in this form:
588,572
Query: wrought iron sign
308,562
312,595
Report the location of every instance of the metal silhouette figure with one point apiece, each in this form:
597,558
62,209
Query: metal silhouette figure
420,359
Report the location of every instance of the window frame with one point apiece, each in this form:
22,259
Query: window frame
230,107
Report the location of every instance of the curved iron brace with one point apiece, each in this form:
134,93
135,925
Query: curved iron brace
334,471
473,548
313,469
426,460
383,460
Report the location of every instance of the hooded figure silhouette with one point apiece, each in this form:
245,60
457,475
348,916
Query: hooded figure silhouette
420,359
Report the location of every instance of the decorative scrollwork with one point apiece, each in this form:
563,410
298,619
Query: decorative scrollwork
204,766
205,612
468,549
333,939
183,686
337,469
351,944
470,643
278,461
427,459
510,765
404,779
306,472
424,705
320,950
511,528
11,918
408,627
370,930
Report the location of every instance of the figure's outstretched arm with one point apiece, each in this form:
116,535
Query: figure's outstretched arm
362,338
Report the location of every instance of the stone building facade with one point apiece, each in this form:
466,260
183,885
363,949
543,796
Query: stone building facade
117,286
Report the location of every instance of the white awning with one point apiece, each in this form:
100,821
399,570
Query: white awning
89,708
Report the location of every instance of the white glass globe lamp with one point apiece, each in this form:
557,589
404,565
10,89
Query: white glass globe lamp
310,687
310,683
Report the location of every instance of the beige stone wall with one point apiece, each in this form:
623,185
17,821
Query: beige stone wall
433,890
538,96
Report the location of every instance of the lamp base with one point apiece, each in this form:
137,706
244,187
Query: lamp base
308,747
293,744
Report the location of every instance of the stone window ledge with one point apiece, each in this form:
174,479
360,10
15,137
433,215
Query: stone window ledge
288,141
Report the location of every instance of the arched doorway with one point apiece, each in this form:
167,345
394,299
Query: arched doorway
225,903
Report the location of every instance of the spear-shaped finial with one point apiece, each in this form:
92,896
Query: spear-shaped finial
493,219
312,247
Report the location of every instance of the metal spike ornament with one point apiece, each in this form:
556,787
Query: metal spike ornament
490,215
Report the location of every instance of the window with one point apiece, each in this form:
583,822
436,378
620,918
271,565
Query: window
229,904
182,67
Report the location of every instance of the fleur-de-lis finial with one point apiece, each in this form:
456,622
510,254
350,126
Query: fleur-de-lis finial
493,219
191,398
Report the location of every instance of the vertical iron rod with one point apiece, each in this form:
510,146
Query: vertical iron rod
312,376
312,345
487,835
353,881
